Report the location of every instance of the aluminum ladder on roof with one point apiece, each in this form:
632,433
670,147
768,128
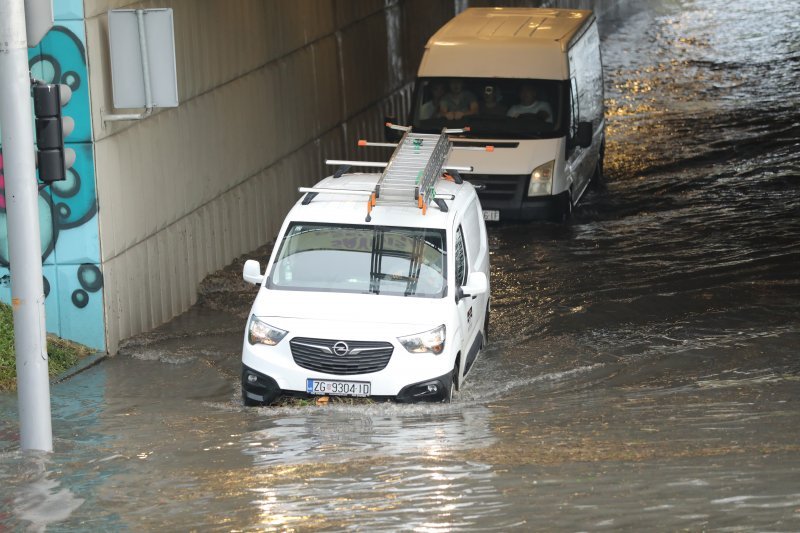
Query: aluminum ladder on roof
411,173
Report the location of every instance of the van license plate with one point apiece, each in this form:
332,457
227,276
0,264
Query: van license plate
337,388
491,215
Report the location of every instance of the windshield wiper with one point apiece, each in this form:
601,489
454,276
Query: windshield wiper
415,265
375,262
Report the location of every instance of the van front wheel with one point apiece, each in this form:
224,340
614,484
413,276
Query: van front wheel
453,384
248,402
486,326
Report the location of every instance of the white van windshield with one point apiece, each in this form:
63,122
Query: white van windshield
361,259
492,107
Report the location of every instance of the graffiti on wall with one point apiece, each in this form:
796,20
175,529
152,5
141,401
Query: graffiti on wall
73,280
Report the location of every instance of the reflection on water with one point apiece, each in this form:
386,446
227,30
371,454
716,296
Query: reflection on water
392,466
39,500
643,367
387,464
367,431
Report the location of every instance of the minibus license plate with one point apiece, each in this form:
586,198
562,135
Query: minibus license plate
337,388
492,215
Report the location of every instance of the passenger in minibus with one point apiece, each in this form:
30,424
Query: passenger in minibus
491,105
431,108
530,104
458,103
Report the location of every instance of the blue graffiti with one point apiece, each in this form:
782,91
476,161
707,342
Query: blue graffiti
73,280
61,58
72,202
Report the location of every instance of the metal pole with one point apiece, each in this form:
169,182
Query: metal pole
148,93
24,242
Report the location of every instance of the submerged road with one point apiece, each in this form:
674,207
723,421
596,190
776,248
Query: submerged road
643,372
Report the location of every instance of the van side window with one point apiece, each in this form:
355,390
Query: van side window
473,231
461,259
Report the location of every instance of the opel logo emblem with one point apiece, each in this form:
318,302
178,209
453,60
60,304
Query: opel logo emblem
341,348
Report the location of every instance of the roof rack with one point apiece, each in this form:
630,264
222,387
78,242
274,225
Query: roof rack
410,175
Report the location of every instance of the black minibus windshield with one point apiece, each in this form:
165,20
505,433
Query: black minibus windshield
505,108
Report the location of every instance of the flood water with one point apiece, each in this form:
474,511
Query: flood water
643,372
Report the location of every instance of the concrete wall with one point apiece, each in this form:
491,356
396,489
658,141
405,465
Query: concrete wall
268,90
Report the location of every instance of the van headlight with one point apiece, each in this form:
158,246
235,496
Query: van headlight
431,341
259,332
542,179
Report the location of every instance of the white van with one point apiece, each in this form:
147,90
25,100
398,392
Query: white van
529,82
378,286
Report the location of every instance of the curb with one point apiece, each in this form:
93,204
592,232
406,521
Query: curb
84,364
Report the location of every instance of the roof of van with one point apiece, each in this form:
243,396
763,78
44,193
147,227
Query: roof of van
352,209
496,42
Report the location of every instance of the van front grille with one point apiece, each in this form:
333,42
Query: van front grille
323,355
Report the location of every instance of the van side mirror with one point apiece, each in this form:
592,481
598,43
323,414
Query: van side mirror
583,136
477,284
390,134
252,272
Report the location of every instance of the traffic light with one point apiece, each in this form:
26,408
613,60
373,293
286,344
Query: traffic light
51,129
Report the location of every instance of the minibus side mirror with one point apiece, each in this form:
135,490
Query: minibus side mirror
252,272
583,136
477,284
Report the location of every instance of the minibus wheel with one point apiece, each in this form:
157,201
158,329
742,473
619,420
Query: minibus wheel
566,207
597,177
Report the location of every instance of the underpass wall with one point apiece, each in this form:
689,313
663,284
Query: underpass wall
268,91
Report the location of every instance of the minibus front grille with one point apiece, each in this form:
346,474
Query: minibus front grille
321,355
498,187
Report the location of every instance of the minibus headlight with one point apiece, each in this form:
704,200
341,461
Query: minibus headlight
259,332
542,179
431,341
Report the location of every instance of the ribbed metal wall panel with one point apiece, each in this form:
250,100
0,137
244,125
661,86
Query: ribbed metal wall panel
268,90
